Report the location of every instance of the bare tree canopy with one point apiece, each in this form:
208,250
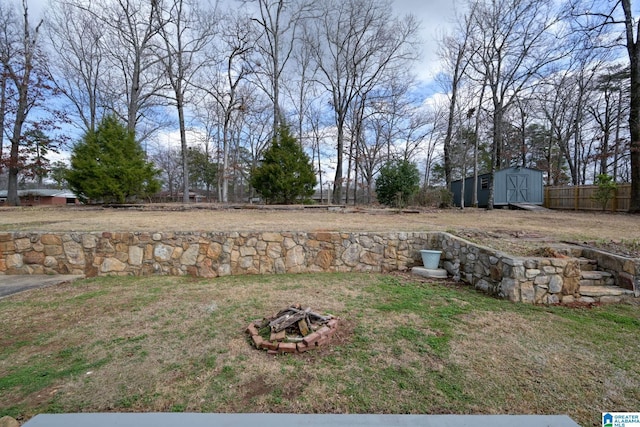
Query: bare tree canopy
522,83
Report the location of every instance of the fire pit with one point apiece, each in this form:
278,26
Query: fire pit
292,330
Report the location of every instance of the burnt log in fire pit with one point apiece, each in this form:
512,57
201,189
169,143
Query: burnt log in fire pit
292,330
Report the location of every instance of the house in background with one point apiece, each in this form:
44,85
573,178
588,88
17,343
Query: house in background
44,196
512,186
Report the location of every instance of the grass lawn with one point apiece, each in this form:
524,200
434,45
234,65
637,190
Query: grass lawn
404,346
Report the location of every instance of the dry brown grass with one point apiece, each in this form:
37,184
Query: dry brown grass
544,367
504,228
404,346
555,223
162,344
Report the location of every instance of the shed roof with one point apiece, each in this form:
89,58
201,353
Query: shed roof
501,170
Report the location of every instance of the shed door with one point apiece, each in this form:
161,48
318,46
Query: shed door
517,189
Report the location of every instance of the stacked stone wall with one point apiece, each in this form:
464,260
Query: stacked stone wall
206,254
528,280
521,279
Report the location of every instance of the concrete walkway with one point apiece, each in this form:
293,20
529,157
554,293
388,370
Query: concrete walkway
280,420
13,284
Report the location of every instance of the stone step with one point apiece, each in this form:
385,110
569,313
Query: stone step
596,278
595,275
604,291
587,264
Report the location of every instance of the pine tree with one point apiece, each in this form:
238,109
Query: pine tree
397,183
109,166
285,174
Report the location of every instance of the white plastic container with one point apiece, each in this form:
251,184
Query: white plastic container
430,258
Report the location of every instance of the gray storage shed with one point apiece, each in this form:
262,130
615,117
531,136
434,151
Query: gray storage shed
513,185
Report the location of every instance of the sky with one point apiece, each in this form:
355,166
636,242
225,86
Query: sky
435,16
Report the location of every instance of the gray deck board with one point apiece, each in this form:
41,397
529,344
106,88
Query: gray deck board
279,420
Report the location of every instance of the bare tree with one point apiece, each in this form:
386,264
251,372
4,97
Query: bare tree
308,104
133,78
253,128
390,124
77,73
561,99
278,23
633,50
436,114
512,39
185,32
6,18
22,63
456,52
223,84
356,41
169,161
605,110
598,20
301,87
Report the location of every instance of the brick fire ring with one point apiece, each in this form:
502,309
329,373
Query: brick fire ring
291,340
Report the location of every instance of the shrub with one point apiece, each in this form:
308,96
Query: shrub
397,183
606,190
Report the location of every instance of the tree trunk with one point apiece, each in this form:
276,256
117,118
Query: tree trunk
22,84
633,49
224,193
317,142
3,109
134,96
347,185
14,167
616,153
447,139
634,127
495,152
476,140
12,185
21,117
337,182
184,148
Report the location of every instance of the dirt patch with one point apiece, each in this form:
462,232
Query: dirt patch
256,387
517,242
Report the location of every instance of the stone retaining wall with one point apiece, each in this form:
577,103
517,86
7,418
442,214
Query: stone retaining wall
206,254
529,280
521,279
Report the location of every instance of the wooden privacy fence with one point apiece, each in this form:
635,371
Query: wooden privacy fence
580,197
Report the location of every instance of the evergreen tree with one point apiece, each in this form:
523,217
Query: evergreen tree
397,183
285,174
109,166
203,173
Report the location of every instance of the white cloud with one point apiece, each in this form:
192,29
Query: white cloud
436,16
